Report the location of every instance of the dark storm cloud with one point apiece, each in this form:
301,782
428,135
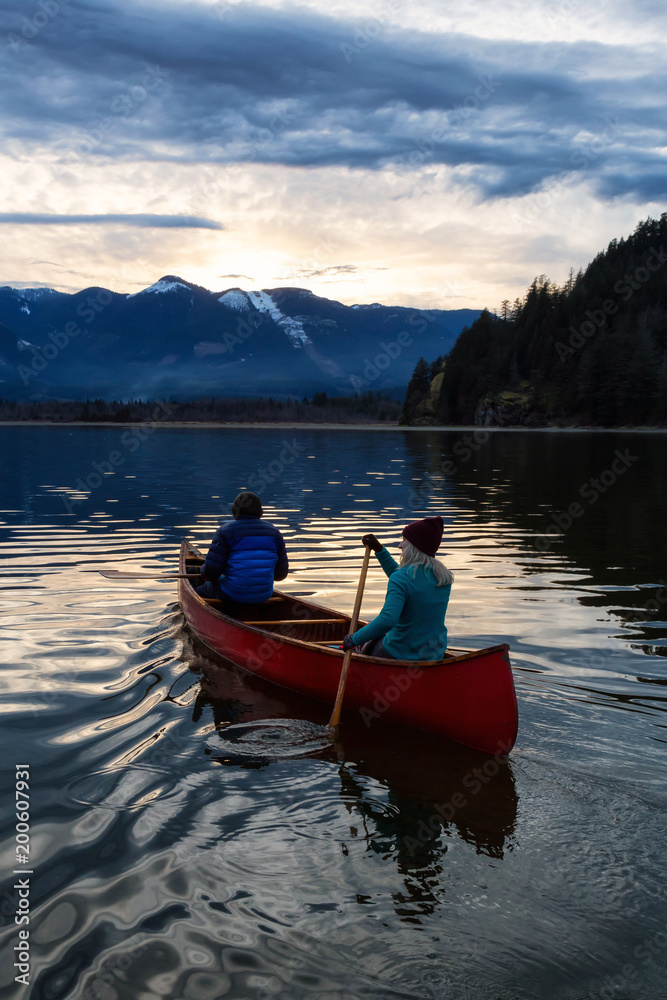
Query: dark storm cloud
142,221
168,83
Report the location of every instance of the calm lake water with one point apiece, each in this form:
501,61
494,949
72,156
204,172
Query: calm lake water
185,845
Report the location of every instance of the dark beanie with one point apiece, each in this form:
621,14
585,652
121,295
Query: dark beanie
247,505
425,535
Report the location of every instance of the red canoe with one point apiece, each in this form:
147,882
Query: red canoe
467,697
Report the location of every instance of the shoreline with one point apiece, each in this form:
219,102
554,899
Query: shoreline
293,425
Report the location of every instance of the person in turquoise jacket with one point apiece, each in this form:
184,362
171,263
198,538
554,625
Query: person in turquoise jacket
411,625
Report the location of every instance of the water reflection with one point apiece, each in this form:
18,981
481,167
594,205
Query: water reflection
555,499
423,789
183,852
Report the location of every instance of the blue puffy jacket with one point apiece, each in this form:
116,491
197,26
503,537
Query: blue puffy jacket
247,556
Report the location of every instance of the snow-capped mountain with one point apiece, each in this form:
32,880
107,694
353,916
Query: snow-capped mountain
168,284
178,338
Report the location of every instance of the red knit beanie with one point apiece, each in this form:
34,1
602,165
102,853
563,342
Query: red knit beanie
425,535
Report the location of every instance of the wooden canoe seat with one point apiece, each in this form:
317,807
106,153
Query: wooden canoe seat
216,600
295,621
308,630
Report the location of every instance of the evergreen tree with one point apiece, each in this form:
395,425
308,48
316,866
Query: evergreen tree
419,387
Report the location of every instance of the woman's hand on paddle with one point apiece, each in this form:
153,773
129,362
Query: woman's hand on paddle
348,643
372,542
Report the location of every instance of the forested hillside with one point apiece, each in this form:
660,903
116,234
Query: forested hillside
592,352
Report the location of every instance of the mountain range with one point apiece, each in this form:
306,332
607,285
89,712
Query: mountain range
180,340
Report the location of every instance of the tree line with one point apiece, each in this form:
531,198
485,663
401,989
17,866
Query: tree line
368,407
590,352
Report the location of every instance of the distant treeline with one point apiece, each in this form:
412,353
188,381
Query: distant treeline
370,407
592,352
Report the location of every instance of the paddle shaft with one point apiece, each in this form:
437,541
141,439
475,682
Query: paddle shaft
335,715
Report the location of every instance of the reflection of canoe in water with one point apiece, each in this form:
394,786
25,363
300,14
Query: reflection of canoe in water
431,784
467,697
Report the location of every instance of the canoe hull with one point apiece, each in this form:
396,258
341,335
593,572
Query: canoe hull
468,698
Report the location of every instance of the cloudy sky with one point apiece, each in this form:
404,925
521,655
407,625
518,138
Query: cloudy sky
416,152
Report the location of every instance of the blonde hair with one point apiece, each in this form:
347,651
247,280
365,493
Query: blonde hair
414,558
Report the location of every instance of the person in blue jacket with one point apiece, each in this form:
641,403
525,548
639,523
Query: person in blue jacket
411,625
245,557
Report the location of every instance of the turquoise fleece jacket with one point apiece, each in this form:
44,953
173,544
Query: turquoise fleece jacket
412,620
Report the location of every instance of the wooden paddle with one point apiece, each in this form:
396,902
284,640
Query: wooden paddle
335,715
121,574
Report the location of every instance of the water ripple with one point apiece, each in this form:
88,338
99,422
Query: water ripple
268,740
